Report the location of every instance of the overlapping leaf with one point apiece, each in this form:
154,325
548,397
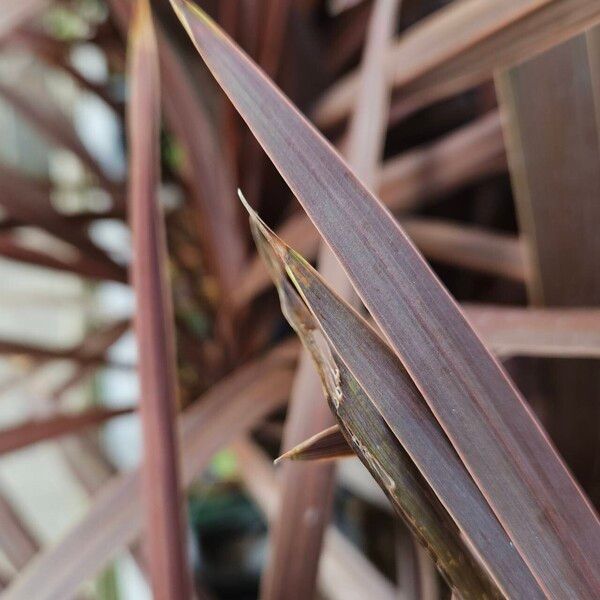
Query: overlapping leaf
327,444
496,435
344,572
369,391
114,520
472,39
308,487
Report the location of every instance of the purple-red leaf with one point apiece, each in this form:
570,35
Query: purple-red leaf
493,430
35,431
367,388
164,530
115,519
460,46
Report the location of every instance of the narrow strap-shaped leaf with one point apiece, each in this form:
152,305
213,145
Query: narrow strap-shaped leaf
467,154
307,488
410,180
469,247
35,431
380,375
164,519
454,244
548,178
383,456
208,179
114,520
460,46
512,331
454,28
493,430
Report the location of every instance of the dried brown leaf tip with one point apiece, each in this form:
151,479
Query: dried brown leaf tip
328,444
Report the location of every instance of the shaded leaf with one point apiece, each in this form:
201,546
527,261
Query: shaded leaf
460,46
114,520
344,572
469,247
547,178
38,430
468,154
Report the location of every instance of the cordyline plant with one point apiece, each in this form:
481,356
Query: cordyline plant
391,368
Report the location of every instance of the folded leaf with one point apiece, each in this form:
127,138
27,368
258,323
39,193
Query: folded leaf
369,392
495,433
391,467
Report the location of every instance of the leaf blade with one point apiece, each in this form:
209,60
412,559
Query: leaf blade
460,46
378,373
114,520
426,329
20,436
327,444
164,518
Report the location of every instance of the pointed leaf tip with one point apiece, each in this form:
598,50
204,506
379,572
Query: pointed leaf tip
262,233
142,20
329,444
246,204
182,9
